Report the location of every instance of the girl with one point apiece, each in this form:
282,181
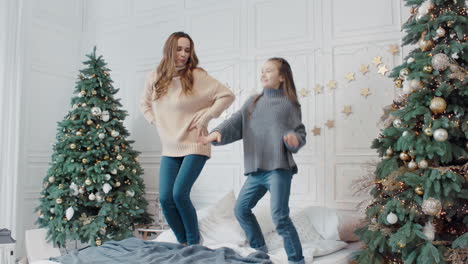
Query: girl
180,99
271,128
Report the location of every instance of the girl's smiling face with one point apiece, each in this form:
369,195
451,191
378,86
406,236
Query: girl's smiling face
271,77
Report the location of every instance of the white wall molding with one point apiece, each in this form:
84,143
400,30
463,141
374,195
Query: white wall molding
10,113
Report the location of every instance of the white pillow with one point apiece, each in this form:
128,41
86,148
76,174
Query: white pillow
322,247
325,221
305,229
220,225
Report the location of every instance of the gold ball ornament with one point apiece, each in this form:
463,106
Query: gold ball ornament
438,105
60,186
98,242
84,105
88,182
84,161
119,157
412,165
415,84
79,133
94,92
424,44
106,157
121,167
428,131
427,69
134,171
72,146
401,244
109,199
83,92
389,151
52,179
117,183
89,122
419,190
88,148
59,200
404,156
398,83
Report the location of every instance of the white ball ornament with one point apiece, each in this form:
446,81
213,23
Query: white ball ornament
106,188
69,213
392,218
105,116
92,197
96,111
440,135
397,123
423,164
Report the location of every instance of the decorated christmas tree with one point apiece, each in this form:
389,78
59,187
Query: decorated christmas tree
418,207
93,190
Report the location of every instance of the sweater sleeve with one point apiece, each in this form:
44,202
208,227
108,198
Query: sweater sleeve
221,96
146,104
230,129
298,129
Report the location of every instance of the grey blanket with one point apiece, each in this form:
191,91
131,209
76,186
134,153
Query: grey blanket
134,250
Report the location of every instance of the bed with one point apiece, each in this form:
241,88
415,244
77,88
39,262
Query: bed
322,231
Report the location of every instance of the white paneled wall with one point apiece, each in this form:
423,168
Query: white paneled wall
51,32
322,39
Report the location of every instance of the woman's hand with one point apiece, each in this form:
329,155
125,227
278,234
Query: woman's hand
291,140
210,138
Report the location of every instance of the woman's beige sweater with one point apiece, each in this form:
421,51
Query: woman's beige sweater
175,112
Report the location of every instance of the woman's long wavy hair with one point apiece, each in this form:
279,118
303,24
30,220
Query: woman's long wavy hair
166,69
287,85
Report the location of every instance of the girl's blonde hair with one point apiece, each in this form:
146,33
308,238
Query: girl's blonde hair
166,69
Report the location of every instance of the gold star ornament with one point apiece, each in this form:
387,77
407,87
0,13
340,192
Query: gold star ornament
318,89
347,110
350,77
332,84
364,69
365,92
330,123
304,92
382,70
393,49
377,60
316,131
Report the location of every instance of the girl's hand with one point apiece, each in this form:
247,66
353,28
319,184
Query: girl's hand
210,138
291,140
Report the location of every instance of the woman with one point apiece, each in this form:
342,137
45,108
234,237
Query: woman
180,99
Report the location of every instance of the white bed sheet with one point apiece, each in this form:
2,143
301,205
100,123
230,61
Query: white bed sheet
342,256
